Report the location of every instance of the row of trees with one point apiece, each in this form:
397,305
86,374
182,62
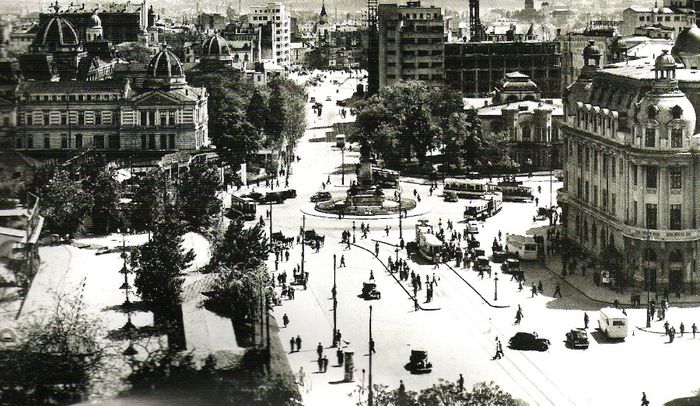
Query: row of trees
409,120
444,393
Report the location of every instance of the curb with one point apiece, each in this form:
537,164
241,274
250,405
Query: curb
397,281
644,329
477,292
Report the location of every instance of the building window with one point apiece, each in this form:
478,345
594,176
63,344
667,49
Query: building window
595,161
64,141
613,168
613,203
98,118
47,116
143,141
651,216
81,118
78,140
64,118
651,177
650,137
588,159
18,143
579,188
633,169
163,141
676,178
98,141
47,141
588,195
595,195
676,138
114,141
144,118
171,141
151,141
675,217
30,141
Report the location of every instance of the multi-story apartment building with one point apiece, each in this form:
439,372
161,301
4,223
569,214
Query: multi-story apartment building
274,20
51,119
631,170
673,15
410,43
477,68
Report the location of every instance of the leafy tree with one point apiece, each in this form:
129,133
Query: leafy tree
147,193
443,393
197,197
105,191
60,355
462,139
240,247
159,266
65,204
235,138
276,122
257,112
236,292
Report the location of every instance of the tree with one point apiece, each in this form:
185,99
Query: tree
235,292
65,204
59,356
276,122
443,393
462,139
147,193
105,191
234,137
240,247
197,197
257,112
159,266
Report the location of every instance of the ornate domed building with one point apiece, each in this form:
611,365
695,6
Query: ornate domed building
57,34
216,48
630,194
165,70
94,32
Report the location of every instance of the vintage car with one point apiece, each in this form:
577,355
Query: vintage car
369,291
510,265
450,197
320,197
288,193
418,362
577,338
528,342
499,256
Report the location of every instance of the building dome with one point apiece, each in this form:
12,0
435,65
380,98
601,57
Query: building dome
665,109
215,46
687,44
96,21
56,33
165,65
665,61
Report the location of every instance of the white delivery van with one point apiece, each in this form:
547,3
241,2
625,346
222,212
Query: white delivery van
523,245
613,323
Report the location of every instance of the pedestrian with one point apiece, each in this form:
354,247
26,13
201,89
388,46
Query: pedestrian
585,321
298,341
286,255
291,344
386,230
695,329
645,402
533,290
319,350
371,346
376,249
342,261
539,287
339,355
518,315
672,334
681,328
499,349
667,328
495,356
323,185
371,275
325,364
285,320
557,291
319,361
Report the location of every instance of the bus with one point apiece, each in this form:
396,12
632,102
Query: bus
467,188
523,247
244,205
476,210
495,200
385,177
428,244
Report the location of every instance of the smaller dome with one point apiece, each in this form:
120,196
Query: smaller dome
591,50
96,21
665,61
214,46
165,65
56,32
687,42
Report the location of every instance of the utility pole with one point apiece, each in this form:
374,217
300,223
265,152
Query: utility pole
267,320
303,242
342,165
335,305
370,397
400,217
262,320
270,225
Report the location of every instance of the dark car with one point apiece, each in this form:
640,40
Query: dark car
528,341
288,193
257,196
273,197
577,338
320,197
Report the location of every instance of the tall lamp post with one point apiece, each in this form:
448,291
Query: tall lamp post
335,306
303,242
342,165
647,276
495,287
271,226
370,397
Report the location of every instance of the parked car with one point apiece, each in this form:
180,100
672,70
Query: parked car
450,197
288,193
528,342
418,363
499,256
274,197
472,227
369,291
577,338
510,265
320,197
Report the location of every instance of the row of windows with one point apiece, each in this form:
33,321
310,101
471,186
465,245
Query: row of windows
407,76
422,52
426,16
159,118
651,216
650,137
73,97
100,117
167,141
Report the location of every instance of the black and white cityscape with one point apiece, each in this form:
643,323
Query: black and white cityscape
359,203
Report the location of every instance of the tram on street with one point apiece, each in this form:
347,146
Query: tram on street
467,188
513,190
476,209
495,200
428,243
244,205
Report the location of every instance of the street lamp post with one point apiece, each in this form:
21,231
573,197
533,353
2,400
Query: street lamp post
270,226
342,165
335,305
370,397
495,287
303,242
647,276
400,217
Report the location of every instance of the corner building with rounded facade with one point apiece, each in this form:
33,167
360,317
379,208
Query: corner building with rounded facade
632,166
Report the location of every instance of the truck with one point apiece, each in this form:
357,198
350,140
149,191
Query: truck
613,323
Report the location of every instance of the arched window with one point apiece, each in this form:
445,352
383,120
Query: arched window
675,256
676,112
652,111
650,137
526,133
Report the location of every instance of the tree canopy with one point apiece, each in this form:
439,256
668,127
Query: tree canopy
65,203
197,199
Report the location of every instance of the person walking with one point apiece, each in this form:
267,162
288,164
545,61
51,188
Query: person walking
518,315
342,261
557,291
539,287
371,275
533,290
460,383
376,249
681,328
291,344
695,329
319,350
645,401
339,355
371,346
585,321
325,364
499,349
285,320
319,361
298,342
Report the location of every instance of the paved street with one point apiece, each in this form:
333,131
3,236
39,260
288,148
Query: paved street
460,335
